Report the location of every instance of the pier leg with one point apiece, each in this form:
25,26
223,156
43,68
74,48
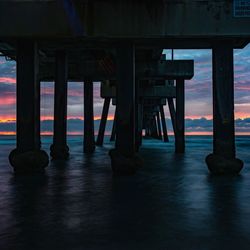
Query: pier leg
28,157
147,130
172,113
138,117
180,117
140,121
164,126
123,157
112,137
153,128
223,160
139,128
59,148
159,126
89,133
102,127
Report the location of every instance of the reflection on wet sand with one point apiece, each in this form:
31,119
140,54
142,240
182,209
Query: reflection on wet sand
171,203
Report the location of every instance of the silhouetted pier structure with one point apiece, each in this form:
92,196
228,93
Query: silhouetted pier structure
119,41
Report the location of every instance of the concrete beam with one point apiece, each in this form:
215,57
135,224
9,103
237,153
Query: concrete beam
166,69
144,92
124,19
159,70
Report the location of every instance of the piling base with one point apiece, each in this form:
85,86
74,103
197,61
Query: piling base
89,149
28,162
59,153
123,165
219,165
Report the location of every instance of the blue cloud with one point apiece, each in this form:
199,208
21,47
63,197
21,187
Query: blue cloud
77,125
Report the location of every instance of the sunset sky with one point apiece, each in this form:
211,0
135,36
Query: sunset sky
198,96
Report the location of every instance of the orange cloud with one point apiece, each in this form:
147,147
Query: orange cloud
5,118
7,133
208,117
7,80
7,100
46,133
98,117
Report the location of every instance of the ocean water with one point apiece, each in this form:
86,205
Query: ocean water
171,203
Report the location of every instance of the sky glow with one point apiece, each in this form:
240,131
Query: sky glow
198,95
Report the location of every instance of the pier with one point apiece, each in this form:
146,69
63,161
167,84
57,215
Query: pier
120,44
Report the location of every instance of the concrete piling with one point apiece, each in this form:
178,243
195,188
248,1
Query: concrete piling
59,148
28,157
164,125
103,122
159,131
123,157
180,117
113,132
223,160
89,133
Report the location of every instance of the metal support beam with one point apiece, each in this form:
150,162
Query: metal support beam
164,125
180,117
89,133
59,148
27,157
223,160
103,122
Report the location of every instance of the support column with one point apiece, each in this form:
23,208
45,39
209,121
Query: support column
59,149
89,133
137,116
172,113
113,132
180,117
147,132
123,157
164,126
28,157
139,127
159,126
140,120
103,122
223,160
154,131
